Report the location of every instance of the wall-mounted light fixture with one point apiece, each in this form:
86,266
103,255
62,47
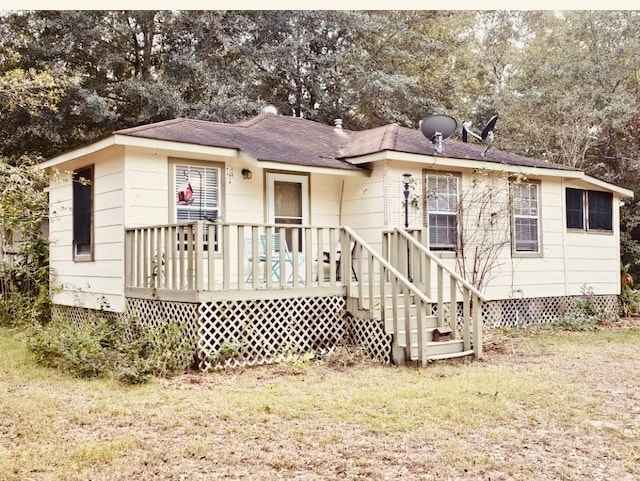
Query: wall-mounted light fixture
247,174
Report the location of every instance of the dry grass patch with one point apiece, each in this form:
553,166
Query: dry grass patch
544,406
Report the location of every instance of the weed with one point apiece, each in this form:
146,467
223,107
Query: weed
121,348
346,355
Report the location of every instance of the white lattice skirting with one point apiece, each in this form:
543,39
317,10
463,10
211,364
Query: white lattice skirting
254,332
521,313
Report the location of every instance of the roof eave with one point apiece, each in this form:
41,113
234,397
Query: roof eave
448,162
142,142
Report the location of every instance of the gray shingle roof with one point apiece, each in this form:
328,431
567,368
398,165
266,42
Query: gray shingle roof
297,141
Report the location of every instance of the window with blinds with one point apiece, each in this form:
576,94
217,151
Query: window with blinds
441,192
526,218
197,195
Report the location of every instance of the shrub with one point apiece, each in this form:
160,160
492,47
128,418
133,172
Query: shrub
123,349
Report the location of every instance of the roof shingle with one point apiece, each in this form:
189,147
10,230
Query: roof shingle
297,141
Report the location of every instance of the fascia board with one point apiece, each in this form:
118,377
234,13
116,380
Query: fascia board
80,152
446,162
271,165
130,141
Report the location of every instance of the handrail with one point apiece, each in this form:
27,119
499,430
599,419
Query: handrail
413,298
472,299
441,264
401,277
201,256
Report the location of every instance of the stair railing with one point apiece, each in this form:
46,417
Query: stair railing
404,249
375,275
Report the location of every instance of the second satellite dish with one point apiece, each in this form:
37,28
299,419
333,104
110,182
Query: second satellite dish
437,128
486,136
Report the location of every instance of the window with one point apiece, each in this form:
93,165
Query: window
442,211
526,218
82,182
591,207
197,195
600,211
575,208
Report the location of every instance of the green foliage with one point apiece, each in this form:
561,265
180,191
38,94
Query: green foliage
24,267
584,315
126,350
629,298
230,349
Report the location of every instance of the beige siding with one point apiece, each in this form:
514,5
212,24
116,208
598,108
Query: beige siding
364,205
326,193
146,185
568,262
90,283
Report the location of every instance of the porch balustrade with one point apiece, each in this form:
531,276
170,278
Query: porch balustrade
222,257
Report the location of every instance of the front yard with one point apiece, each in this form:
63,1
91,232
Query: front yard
541,406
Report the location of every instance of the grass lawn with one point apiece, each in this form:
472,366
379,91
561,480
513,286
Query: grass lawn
543,406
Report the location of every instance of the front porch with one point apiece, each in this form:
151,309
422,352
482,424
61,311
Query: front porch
274,288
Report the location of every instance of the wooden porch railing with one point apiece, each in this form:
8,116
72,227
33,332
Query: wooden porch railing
407,249
204,256
242,260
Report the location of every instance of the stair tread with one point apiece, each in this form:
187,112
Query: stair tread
437,357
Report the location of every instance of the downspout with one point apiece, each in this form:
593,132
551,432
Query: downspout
563,216
340,208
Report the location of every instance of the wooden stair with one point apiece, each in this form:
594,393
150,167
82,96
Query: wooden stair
401,353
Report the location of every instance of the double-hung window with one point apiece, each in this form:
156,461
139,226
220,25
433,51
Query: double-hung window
441,192
590,208
526,217
197,194
82,214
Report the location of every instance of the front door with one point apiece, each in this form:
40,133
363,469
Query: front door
288,201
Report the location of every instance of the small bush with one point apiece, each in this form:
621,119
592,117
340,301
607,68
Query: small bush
584,316
123,349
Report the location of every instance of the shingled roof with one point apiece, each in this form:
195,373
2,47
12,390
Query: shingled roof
293,140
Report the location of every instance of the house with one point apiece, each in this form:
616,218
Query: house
279,233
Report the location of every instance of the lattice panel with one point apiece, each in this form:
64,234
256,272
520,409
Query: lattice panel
369,335
253,332
154,313
79,316
518,313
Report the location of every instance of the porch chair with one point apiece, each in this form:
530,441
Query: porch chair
276,245
248,250
326,259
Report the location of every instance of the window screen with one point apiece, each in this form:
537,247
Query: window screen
600,210
83,212
204,199
442,211
590,207
575,208
197,197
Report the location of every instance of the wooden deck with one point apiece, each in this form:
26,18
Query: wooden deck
203,261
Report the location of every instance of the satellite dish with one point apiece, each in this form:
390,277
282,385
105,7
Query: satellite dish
437,128
486,136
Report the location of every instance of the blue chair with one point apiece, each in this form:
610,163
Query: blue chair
275,246
248,250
